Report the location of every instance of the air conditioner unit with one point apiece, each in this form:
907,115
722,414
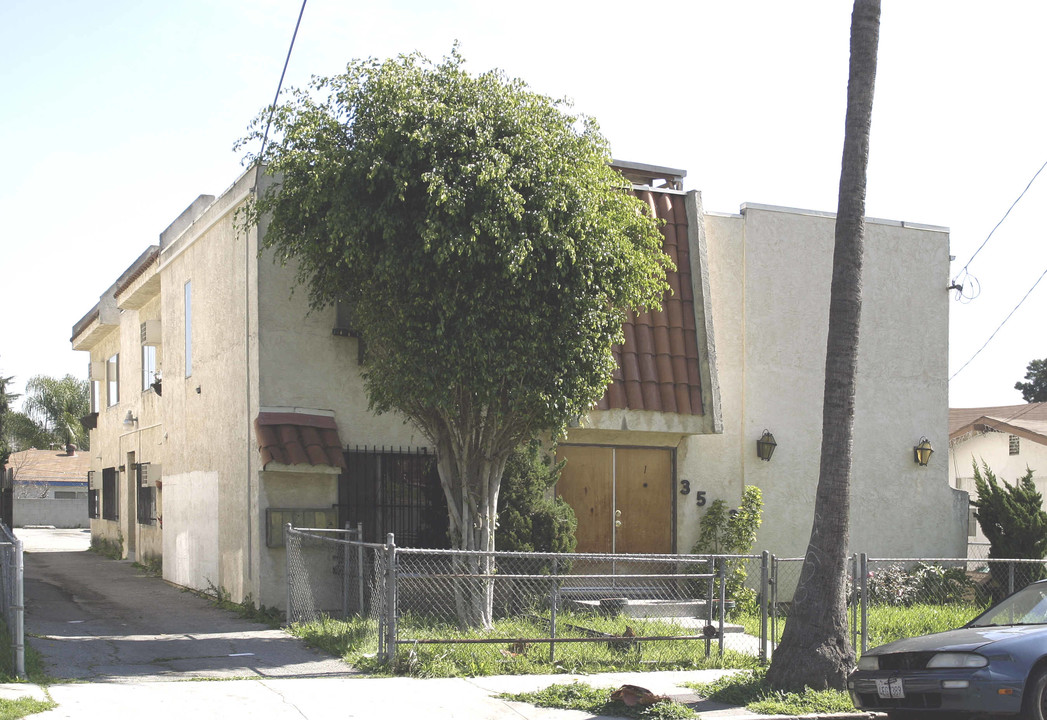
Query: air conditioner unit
96,371
150,474
151,332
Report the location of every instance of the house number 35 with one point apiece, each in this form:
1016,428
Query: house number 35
685,489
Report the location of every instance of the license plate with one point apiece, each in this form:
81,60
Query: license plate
890,688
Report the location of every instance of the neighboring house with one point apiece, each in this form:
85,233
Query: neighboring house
49,487
261,417
1009,438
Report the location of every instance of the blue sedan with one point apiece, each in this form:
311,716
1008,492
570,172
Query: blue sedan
994,665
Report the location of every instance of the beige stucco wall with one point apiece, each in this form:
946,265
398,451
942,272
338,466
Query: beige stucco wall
769,278
208,532
114,444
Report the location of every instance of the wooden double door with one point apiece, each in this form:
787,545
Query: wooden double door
623,497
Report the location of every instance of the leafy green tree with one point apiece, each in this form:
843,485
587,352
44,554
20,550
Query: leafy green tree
530,518
486,250
816,650
726,532
1035,387
51,413
1014,522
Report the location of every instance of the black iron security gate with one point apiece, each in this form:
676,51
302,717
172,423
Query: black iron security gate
393,490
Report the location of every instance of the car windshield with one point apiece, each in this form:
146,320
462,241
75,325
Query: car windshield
1026,607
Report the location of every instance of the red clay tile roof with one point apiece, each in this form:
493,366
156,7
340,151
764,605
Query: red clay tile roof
658,362
292,438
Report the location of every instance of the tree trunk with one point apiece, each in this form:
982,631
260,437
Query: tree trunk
815,650
471,463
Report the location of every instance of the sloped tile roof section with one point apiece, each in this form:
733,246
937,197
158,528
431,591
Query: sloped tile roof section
295,438
657,365
1028,421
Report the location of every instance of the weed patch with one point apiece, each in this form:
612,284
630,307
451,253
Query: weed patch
20,707
751,690
246,609
356,641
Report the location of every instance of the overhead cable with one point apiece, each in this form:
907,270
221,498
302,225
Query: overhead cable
279,85
1001,324
986,240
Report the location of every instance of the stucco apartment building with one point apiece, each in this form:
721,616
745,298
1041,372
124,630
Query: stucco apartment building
1009,438
226,408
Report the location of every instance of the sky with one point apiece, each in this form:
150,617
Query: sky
117,114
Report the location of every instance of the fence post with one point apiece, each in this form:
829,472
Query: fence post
852,600
774,602
390,598
723,598
360,568
554,599
1010,578
765,587
19,629
346,569
711,561
864,572
287,559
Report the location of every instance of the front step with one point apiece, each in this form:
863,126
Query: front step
689,613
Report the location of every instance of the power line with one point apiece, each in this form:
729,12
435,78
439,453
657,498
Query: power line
1044,273
986,240
279,85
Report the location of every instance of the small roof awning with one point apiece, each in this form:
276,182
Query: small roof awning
298,438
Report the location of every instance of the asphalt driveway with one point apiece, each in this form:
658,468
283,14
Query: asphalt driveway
98,619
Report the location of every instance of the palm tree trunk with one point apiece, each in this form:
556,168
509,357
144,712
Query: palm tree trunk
815,650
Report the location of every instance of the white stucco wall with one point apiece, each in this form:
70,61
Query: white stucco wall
994,448
192,542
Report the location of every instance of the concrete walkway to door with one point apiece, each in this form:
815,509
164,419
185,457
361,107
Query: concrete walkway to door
93,618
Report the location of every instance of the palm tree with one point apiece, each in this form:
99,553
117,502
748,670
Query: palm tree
55,407
815,651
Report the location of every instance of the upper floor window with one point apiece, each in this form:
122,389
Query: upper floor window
112,378
1013,445
96,393
188,328
148,366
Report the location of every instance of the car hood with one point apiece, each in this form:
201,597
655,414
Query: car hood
960,640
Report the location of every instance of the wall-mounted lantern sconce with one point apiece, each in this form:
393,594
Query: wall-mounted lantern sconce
130,420
921,453
765,446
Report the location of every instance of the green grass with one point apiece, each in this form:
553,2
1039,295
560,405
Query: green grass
355,640
13,709
750,690
597,701
888,623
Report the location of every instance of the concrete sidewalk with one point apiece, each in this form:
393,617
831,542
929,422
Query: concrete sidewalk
360,697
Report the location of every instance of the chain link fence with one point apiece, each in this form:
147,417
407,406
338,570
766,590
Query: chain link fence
12,604
568,607
666,610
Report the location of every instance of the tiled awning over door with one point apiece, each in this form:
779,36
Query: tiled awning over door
297,438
